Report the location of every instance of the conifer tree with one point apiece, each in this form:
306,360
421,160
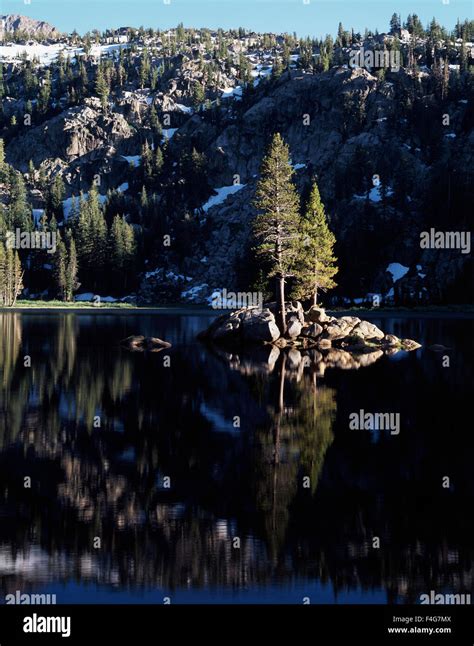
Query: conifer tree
59,271
72,283
157,162
395,24
143,200
155,126
315,267
98,231
20,215
3,166
276,226
31,171
84,234
199,94
56,197
11,276
147,161
122,249
102,87
44,94
2,86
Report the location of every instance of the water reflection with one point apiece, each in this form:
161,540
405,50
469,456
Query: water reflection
255,447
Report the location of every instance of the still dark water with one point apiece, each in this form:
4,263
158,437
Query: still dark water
252,447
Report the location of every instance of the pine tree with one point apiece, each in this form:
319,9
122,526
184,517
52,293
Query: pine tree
102,87
147,161
2,85
445,82
143,199
11,276
91,239
3,166
31,171
199,94
144,72
98,231
84,234
2,274
276,226
83,79
395,24
122,249
316,262
463,59
277,69
340,35
155,126
72,269
19,210
44,94
157,162
59,268
56,197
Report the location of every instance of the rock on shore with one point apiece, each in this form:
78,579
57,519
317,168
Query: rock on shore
310,329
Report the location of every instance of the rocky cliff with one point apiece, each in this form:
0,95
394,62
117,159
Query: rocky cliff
392,153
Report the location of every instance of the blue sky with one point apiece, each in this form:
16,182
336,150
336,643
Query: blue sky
316,18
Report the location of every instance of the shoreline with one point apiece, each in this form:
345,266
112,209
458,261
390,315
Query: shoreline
466,312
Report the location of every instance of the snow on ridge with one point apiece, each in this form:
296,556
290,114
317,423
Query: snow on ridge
223,193
47,54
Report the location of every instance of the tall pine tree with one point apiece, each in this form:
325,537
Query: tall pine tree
315,267
276,226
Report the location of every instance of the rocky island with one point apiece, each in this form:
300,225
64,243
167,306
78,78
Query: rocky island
344,342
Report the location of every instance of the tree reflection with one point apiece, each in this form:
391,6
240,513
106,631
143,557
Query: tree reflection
107,479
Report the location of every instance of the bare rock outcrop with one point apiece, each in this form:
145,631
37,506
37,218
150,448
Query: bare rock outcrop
79,132
338,337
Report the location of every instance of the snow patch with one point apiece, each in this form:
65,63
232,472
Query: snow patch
168,133
232,93
194,293
222,194
37,215
184,108
89,297
68,203
397,270
135,160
